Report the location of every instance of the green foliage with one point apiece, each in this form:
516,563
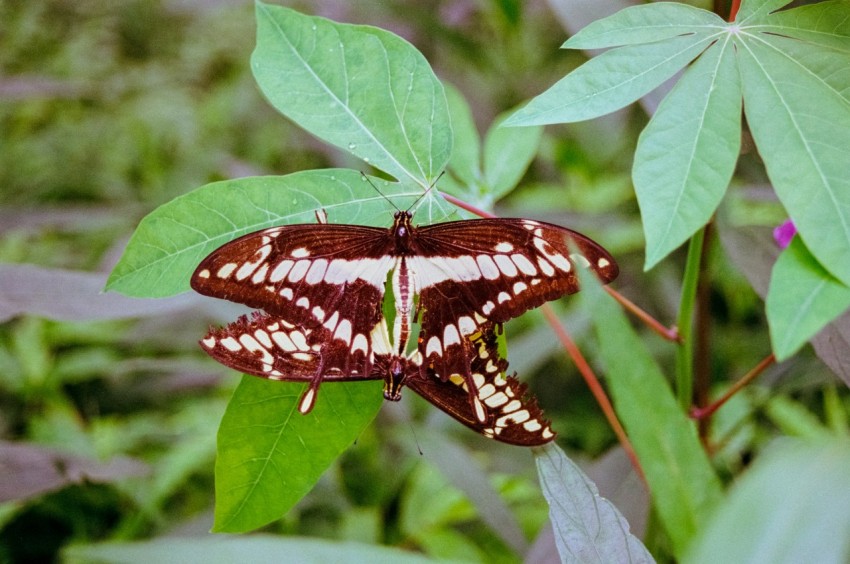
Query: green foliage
793,504
270,455
783,64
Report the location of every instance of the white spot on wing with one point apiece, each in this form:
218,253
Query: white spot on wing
226,270
303,302
433,347
231,344
319,313
205,273
263,337
281,270
287,293
450,336
343,331
601,263
360,343
488,308
504,247
283,341
524,264
260,275
545,266
209,342
332,321
507,267
488,267
504,297
466,325
520,287
317,271
299,270
300,252
299,340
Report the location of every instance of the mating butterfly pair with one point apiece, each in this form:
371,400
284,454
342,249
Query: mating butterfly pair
322,288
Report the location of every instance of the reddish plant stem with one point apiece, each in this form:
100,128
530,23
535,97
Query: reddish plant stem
593,384
700,413
733,10
670,334
467,206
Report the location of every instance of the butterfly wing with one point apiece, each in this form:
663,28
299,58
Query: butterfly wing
325,278
492,270
273,348
500,408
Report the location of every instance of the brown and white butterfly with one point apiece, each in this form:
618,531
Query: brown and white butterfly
454,279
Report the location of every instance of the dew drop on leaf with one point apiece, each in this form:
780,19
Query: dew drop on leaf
352,146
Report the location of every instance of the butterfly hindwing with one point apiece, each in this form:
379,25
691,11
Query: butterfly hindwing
500,408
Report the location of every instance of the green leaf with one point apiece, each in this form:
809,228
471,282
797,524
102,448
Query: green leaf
792,506
753,9
825,24
687,153
801,126
681,480
465,164
360,88
258,549
170,241
588,528
507,154
270,455
801,300
645,23
611,81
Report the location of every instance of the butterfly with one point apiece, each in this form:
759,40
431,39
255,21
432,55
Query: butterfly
458,279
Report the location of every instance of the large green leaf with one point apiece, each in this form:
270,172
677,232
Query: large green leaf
507,154
792,506
801,126
682,483
612,80
794,77
170,241
801,300
270,455
588,528
686,155
360,88
646,23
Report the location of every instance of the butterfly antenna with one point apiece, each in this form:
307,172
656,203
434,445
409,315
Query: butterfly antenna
369,180
421,197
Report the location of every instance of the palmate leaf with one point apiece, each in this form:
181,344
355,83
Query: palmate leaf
790,69
170,241
360,88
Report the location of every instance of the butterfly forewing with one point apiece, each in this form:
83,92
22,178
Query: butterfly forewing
471,272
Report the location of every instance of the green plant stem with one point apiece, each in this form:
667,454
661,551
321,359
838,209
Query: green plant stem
685,353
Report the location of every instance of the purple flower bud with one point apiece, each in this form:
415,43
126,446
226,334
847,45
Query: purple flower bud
784,233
